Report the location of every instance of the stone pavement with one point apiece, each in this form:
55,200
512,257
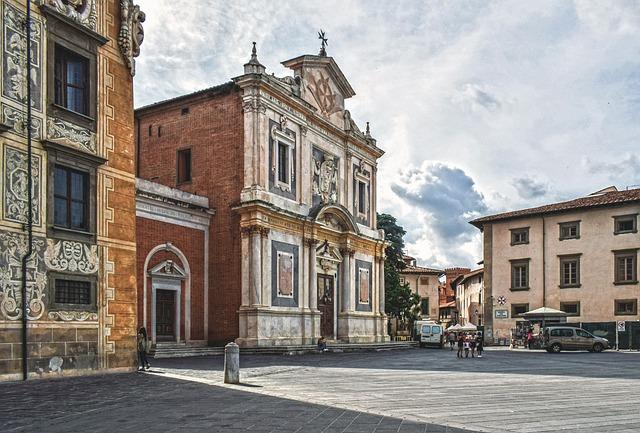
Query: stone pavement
138,402
505,391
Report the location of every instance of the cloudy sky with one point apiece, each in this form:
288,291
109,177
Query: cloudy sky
481,106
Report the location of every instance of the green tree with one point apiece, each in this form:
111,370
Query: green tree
400,302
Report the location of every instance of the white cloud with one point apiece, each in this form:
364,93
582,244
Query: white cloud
501,94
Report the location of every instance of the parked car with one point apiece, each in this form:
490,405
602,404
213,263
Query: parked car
430,334
559,338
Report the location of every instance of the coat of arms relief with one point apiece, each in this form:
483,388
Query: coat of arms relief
327,100
325,176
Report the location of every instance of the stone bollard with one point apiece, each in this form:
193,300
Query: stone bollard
232,363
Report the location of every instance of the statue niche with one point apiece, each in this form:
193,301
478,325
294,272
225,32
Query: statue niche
325,177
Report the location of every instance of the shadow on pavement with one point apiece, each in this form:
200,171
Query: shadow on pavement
149,403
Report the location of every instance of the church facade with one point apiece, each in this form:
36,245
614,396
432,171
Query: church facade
294,253
80,304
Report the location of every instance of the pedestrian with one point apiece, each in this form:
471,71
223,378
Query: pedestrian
530,339
472,346
460,345
322,344
466,347
479,343
143,349
451,337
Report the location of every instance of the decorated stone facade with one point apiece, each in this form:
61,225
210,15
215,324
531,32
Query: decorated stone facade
294,251
80,276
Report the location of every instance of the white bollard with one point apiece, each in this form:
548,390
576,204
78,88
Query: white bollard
232,363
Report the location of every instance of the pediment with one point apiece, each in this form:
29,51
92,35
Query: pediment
323,85
168,269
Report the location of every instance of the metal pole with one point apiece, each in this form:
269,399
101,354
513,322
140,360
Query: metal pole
29,224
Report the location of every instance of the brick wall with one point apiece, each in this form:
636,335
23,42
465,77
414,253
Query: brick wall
214,131
151,233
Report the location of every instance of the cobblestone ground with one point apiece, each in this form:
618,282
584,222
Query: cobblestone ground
156,403
505,391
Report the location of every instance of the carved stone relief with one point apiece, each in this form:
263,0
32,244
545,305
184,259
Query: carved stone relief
325,177
17,120
71,135
13,246
15,186
71,256
14,53
73,316
323,94
131,32
83,12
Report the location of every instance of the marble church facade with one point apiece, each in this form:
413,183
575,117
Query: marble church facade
80,278
293,251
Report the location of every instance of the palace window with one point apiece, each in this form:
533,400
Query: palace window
626,307
72,292
517,309
71,81
520,236
362,181
424,306
570,271
626,266
625,224
570,230
184,166
71,198
403,281
520,274
424,280
571,308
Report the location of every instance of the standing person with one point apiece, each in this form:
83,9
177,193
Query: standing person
460,345
451,337
143,349
530,338
479,343
466,346
472,345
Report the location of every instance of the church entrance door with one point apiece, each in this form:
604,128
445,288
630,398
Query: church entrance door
325,304
165,315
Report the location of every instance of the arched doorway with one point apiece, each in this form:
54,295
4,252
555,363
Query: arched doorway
166,288
328,260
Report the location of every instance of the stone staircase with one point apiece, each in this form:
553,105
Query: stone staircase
181,350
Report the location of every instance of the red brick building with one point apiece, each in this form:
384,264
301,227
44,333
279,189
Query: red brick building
294,253
172,236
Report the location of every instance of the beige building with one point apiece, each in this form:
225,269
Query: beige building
425,282
579,256
469,297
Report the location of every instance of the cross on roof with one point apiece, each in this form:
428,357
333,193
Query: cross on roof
323,38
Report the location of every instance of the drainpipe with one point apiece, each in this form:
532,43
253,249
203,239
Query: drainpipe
544,268
29,224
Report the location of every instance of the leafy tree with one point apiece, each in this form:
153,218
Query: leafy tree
400,302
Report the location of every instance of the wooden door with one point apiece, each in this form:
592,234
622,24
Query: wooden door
165,314
325,304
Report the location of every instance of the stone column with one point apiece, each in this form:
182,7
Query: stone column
347,256
256,266
381,290
265,245
313,276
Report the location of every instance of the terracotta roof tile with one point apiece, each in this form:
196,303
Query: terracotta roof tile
614,198
421,270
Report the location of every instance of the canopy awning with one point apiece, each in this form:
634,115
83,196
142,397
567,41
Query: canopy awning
545,312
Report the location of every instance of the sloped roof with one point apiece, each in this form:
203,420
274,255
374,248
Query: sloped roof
473,273
421,270
611,198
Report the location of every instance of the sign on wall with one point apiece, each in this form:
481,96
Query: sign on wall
502,314
621,326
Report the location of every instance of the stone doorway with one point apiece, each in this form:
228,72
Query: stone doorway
326,297
165,315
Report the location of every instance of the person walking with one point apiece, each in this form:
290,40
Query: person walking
451,338
472,346
460,345
479,343
530,339
143,349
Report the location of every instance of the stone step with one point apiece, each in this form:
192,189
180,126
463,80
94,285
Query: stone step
184,351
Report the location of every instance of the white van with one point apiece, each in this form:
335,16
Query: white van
430,333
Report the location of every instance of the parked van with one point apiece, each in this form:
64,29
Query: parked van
430,333
558,338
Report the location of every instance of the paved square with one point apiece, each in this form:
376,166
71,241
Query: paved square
505,391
